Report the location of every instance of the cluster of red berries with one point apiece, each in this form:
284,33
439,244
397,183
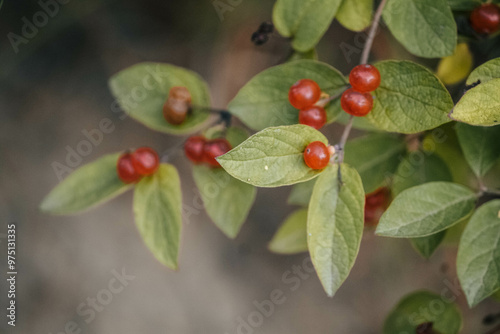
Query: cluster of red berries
131,167
200,150
485,19
317,155
357,101
375,205
303,95
177,105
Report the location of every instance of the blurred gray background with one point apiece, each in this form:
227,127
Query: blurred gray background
55,86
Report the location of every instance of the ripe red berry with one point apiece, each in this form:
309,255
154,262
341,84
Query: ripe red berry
316,155
304,93
193,148
485,19
364,78
145,160
375,205
356,103
125,169
313,116
215,148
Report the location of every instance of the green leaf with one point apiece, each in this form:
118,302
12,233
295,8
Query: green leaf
86,187
486,72
236,136
480,146
335,225
142,90
478,259
480,105
464,5
426,209
355,15
291,237
226,199
296,55
421,307
410,99
263,101
158,213
426,28
426,246
417,168
301,193
375,157
273,157
455,68
304,21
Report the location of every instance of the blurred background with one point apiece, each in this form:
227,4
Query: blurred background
55,86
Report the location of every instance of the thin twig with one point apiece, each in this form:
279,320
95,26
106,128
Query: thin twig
323,102
372,32
343,140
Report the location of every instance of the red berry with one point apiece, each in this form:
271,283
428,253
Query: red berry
145,160
193,148
364,78
356,103
313,116
304,93
125,169
485,19
213,149
375,205
316,155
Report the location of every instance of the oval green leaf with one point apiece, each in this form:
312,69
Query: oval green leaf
86,187
301,193
417,168
355,15
304,21
478,257
158,215
480,105
375,157
480,146
227,200
291,237
486,72
464,5
426,246
455,68
263,101
422,307
273,157
426,28
335,225
426,209
410,99
141,91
